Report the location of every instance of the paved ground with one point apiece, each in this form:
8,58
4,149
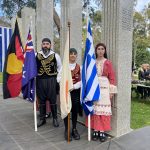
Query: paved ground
17,132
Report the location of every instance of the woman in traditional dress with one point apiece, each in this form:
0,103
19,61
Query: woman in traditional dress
101,119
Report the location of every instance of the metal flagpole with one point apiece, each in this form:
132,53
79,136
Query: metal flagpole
89,116
89,127
35,112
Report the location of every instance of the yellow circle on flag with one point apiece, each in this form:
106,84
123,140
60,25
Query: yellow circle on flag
14,66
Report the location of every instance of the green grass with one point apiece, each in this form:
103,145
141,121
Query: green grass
140,112
1,77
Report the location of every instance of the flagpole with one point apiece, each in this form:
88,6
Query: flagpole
69,112
35,111
35,114
89,127
89,116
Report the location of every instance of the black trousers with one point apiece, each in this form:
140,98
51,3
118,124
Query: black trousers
76,108
142,91
46,90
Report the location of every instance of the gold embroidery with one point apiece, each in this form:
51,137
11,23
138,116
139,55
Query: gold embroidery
46,65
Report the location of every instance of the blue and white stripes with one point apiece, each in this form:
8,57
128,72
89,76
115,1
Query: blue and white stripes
5,36
90,88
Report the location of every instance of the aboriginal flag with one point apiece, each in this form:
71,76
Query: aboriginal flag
12,73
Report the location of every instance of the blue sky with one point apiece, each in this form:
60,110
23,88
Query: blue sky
139,7
141,4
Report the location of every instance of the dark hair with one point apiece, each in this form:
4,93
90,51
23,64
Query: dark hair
101,44
46,40
73,50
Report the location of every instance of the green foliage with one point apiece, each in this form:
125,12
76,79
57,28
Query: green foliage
96,19
148,13
138,17
141,37
1,77
142,57
13,7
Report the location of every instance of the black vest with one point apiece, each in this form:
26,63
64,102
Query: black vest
46,67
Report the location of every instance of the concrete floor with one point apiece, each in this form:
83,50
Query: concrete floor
17,132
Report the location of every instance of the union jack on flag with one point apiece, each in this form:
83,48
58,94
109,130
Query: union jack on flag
29,71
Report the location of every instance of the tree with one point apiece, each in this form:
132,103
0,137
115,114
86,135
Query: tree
141,37
13,7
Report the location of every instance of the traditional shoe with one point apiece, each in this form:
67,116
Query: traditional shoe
102,137
41,122
66,136
95,136
55,123
75,134
48,115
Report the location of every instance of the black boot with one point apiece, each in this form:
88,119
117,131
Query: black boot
75,134
55,122
66,136
54,114
48,115
42,120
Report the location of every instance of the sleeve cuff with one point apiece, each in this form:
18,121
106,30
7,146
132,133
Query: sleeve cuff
77,85
113,88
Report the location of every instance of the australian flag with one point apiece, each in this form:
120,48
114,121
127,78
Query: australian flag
29,71
90,88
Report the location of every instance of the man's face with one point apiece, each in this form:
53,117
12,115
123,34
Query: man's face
72,57
148,67
46,45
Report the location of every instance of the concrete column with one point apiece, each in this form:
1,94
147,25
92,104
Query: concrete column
71,10
44,21
117,35
28,20
13,21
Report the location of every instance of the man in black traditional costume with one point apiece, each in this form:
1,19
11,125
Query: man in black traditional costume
48,65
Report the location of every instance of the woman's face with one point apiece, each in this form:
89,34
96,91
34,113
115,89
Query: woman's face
100,51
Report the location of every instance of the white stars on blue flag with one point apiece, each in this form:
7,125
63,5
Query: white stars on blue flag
29,71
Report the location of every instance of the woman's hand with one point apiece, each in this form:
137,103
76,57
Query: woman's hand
111,95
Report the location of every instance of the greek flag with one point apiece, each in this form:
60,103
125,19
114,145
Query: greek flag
5,36
90,88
